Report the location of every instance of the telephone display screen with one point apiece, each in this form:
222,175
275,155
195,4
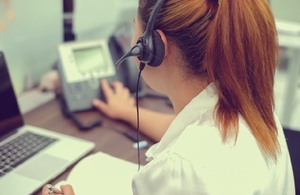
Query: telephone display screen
89,59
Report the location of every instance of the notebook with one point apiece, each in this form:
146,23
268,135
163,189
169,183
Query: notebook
30,156
87,175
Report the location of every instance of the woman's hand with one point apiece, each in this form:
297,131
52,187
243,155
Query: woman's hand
64,189
120,105
118,100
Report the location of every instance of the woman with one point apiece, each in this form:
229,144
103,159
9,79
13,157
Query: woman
218,71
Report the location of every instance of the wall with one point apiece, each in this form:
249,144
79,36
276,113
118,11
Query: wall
98,18
286,9
29,39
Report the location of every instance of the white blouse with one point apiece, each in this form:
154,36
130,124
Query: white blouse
191,158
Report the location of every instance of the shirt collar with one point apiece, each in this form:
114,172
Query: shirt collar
193,111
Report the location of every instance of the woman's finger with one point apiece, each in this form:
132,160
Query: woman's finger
118,87
67,189
50,189
45,190
126,92
106,88
100,105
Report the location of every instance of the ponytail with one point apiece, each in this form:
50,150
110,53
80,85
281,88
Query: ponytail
241,58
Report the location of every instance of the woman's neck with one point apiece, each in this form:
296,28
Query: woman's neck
182,92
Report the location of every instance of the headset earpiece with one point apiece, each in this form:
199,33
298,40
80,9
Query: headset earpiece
158,52
152,48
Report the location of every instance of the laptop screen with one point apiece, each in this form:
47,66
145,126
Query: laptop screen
10,116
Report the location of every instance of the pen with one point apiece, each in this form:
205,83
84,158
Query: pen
130,136
53,190
142,143
137,144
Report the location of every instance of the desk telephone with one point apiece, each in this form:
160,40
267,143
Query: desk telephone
83,64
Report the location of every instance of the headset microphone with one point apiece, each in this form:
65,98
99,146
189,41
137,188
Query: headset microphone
135,51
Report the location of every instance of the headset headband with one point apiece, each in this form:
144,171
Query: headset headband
149,48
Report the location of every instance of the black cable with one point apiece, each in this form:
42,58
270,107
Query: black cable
80,125
142,66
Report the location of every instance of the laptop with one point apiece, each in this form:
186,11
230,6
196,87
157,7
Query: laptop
30,156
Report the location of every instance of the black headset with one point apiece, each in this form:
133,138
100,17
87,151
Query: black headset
149,48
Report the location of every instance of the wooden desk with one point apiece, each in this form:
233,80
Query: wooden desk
107,137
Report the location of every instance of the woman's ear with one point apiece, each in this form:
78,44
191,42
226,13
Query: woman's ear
164,40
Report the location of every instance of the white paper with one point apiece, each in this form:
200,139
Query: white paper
101,173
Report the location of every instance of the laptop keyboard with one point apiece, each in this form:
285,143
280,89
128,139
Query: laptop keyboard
20,149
